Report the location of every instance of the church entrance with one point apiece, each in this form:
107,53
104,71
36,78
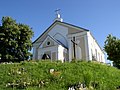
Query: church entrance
46,56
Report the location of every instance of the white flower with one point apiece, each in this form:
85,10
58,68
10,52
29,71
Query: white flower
8,84
19,72
51,70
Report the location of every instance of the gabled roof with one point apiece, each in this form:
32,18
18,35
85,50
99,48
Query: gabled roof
64,23
57,41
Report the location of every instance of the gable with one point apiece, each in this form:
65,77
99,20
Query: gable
60,28
48,42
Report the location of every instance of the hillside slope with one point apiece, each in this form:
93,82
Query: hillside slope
44,75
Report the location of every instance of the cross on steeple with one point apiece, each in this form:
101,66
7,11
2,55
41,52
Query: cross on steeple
58,16
57,11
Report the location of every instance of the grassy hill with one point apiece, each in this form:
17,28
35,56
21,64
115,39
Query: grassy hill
36,76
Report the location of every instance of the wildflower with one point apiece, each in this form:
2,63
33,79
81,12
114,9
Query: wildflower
8,84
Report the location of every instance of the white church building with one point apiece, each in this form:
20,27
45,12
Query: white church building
65,42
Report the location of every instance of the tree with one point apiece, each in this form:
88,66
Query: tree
112,48
15,40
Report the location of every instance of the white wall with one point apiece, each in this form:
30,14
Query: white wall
41,51
61,51
35,47
58,49
34,53
95,49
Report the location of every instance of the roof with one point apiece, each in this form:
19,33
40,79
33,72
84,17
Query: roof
57,41
60,23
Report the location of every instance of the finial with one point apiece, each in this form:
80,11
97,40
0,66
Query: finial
57,11
58,16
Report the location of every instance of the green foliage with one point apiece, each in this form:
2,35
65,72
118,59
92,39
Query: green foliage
112,48
36,76
15,40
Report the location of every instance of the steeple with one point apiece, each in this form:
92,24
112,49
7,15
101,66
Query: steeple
58,16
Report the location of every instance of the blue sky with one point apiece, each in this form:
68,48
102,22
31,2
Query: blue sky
101,17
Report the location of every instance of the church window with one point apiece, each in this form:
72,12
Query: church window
48,43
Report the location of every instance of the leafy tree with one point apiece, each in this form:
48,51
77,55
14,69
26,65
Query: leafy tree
15,40
112,48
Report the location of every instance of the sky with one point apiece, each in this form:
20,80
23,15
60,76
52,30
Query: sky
101,17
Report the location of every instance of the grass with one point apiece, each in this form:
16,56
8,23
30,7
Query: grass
36,76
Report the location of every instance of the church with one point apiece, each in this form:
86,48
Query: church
66,42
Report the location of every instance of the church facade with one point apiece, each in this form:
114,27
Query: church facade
65,42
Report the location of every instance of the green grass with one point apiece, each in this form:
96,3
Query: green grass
36,76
